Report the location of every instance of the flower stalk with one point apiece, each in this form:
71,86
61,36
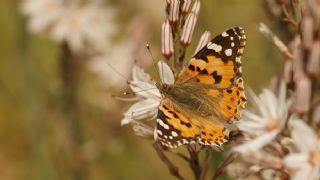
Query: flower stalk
70,68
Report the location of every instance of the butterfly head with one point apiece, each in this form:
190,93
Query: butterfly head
163,88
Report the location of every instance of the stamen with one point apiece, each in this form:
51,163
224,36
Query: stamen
273,124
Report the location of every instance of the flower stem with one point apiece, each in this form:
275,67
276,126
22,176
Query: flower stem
70,69
172,168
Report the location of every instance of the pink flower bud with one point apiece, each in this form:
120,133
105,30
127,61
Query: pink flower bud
174,11
303,95
307,31
188,29
205,38
298,64
167,40
313,66
185,6
196,7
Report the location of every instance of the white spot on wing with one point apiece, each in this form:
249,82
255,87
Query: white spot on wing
162,124
174,134
214,47
231,38
232,44
224,34
228,52
240,69
159,132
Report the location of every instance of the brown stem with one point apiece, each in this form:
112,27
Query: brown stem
69,66
220,169
288,17
172,168
205,164
184,157
194,162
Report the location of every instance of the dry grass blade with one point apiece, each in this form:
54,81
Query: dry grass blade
276,40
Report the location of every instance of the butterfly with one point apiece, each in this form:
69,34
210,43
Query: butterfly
207,95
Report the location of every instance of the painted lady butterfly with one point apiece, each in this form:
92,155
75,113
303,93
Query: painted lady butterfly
206,96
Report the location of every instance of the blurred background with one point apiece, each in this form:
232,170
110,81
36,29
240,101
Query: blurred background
58,119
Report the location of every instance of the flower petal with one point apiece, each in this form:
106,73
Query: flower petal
255,144
304,137
296,160
145,90
138,74
315,173
259,104
303,173
272,104
141,110
166,74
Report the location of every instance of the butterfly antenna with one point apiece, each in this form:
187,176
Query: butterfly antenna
153,60
121,75
130,93
116,71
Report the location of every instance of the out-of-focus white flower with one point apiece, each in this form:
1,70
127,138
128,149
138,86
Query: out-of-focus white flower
264,125
107,65
81,25
42,13
148,94
306,161
87,26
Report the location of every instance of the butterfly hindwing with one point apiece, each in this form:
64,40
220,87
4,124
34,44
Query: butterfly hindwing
175,128
229,101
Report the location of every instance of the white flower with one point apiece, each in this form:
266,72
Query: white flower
148,95
305,162
85,26
41,13
264,125
116,59
80,25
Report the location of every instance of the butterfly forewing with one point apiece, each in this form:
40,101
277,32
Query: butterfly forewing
218,63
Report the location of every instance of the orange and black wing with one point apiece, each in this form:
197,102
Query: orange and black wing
218,66
175,128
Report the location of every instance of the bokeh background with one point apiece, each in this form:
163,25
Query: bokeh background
39,140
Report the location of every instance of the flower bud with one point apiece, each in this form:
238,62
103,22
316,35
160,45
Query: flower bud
205,38
196,7
167,40
287,71
185,6
307,31
174,11
188,29
298,64
302,96
313,66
